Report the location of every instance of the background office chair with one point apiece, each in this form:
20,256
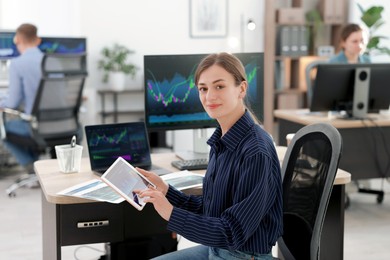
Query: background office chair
55,115
309,169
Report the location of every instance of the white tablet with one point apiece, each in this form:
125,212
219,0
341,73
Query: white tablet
124,179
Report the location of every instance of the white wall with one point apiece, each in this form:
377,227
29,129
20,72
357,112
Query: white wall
53,17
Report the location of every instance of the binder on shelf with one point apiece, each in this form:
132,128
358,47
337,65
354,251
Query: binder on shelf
294,40
303,41
283,41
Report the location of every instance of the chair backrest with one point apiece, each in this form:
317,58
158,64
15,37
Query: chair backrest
310,73
59,96
309,169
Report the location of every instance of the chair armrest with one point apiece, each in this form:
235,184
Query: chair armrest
16,113
19,114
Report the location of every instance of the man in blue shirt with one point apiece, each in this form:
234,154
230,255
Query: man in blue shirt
24,77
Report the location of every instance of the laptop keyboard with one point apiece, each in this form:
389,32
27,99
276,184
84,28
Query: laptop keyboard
194,164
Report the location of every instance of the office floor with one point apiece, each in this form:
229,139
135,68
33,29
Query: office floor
367,225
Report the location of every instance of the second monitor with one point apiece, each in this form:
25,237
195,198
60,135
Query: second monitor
356,89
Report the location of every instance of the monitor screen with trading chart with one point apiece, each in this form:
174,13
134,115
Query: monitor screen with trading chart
63,45
171,97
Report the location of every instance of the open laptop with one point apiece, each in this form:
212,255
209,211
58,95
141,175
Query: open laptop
107,142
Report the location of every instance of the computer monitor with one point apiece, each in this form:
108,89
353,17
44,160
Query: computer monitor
8,49
172,99
63,45
356,89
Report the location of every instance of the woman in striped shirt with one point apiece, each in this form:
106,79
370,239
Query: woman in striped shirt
239,215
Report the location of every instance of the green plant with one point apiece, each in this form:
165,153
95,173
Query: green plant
114,59
372,18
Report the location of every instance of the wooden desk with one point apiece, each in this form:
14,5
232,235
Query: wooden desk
60,214
364,142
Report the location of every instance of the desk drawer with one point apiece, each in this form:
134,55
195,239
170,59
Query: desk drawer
90,223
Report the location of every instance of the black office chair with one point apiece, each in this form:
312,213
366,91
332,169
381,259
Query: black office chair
55,115
309,169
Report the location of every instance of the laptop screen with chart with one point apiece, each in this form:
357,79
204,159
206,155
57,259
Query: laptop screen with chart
107,142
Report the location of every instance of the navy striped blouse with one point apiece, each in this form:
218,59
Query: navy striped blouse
241,205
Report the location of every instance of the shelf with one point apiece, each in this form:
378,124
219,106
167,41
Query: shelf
128,112
114,112
284,57
289,91
124,91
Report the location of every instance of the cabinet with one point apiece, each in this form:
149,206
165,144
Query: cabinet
333,11
284,83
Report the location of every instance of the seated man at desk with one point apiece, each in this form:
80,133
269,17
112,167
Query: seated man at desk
24,77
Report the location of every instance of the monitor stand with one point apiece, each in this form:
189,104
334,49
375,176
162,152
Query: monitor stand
361,92
201,150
